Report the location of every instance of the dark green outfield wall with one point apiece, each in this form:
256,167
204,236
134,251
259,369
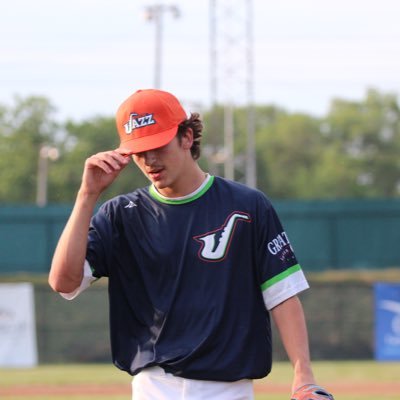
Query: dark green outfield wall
325,234
28,236
344,234
340,320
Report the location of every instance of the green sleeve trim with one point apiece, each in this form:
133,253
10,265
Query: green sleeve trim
280,276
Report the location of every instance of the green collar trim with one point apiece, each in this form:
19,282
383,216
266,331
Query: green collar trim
192,197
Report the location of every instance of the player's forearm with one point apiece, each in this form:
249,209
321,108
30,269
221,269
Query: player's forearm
290,321
67,265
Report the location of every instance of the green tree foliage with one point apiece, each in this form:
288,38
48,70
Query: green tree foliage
366,137
23,130
289,151
350,152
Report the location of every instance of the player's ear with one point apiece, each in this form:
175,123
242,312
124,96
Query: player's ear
187,139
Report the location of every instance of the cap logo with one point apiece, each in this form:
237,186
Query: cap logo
138,121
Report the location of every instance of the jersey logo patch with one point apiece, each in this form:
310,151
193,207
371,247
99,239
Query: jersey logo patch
131,204
138,121
215,244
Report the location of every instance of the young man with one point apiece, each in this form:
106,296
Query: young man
196,264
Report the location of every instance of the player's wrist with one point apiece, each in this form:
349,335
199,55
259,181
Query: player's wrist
303,375
303,370
87,197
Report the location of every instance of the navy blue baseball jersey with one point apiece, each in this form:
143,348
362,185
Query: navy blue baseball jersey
191,279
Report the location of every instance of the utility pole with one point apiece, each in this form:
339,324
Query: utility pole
156,13
251,162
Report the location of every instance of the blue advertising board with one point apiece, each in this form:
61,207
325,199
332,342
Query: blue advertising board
387,321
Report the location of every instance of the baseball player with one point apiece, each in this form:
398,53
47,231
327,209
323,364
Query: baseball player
196,265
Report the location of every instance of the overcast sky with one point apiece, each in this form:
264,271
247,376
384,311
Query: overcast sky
86,56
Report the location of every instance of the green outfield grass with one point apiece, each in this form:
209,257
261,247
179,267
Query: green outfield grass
346,377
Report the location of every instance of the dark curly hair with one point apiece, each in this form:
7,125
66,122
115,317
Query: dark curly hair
194,122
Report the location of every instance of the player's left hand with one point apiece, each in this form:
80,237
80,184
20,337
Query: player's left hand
311,392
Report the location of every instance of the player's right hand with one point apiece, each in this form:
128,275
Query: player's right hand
101,169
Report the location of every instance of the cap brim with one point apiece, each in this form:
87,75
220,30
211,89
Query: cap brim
151,142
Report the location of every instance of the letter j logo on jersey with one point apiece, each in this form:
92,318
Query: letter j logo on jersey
215,244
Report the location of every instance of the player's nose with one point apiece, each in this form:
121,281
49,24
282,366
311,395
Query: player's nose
149,157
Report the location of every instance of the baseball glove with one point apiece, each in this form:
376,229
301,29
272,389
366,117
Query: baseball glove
311,392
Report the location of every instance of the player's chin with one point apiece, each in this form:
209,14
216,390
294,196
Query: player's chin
159,185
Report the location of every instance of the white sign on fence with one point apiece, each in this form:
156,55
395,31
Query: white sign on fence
17,325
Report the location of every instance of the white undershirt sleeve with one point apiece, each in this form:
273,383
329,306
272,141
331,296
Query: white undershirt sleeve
87,280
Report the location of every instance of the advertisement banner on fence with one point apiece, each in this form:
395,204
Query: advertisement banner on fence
387,321
17,325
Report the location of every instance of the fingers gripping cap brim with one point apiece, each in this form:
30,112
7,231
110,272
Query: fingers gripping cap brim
151,142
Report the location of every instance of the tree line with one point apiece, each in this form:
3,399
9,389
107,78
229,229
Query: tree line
351,152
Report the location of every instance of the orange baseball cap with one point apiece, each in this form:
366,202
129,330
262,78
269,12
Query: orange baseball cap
148,119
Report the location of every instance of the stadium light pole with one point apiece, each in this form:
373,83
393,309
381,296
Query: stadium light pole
46,153
155,13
